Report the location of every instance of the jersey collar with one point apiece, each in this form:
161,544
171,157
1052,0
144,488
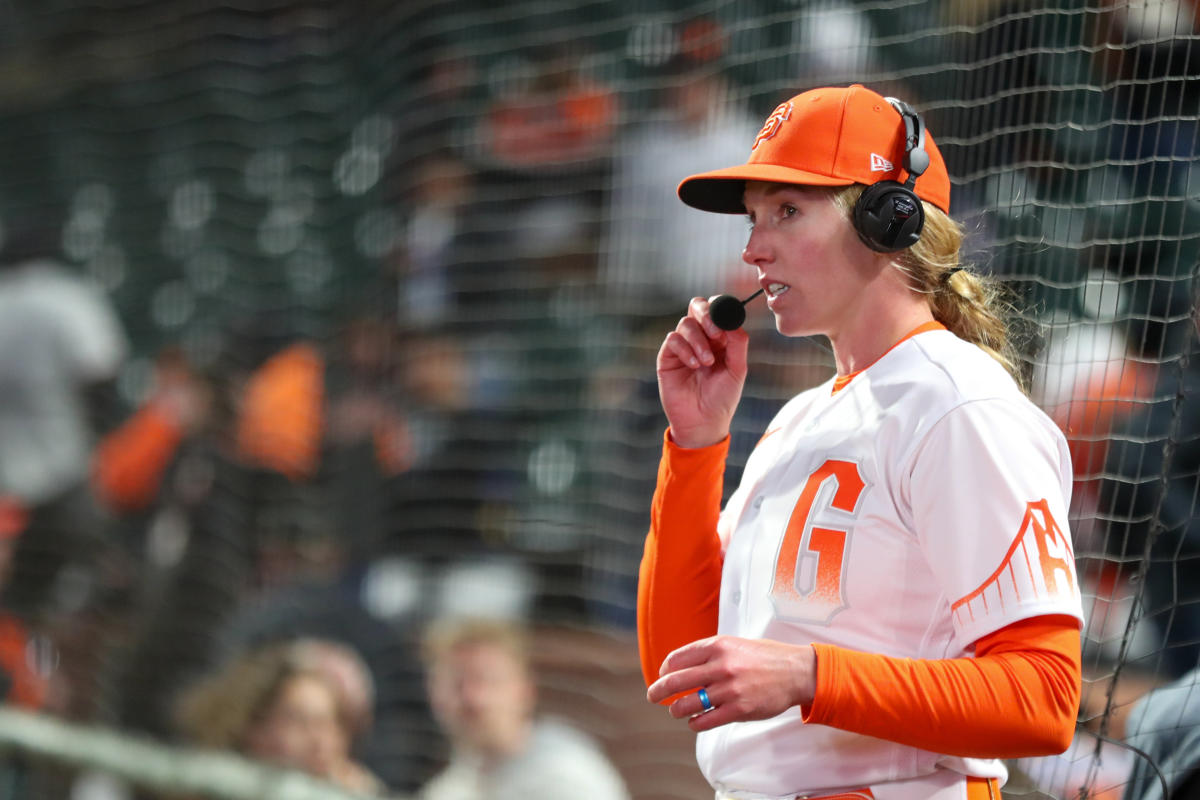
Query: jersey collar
842,381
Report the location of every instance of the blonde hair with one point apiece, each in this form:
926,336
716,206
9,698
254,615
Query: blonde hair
446,635
973,307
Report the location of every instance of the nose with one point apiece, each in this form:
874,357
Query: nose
757,252
473,694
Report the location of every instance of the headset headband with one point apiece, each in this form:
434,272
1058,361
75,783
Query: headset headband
916,160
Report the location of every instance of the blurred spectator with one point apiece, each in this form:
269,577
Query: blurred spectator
558,117
131,460
21,684
320,606
458,473
322,427
1089,768
1165,725
654,242
185,504
1146,57
483,694
27,677
544,151
1152,477
351,678
435,261
280,422
368,439
1090,378
302,402
1148,67
268,487
61,346
281,705
1092,767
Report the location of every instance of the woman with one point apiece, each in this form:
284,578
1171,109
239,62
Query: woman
887,605
279,704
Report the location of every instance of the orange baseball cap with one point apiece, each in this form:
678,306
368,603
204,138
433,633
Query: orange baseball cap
823,137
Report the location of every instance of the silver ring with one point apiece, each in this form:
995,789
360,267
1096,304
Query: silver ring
704,701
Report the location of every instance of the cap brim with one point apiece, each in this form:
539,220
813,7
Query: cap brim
721,190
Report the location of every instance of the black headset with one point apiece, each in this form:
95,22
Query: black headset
888,215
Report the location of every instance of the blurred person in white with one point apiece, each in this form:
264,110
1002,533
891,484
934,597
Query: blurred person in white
653,245
431,268
1099,769
61,345
1165,725
483,694
1091,377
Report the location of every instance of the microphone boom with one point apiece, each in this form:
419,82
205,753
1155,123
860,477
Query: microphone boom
727,312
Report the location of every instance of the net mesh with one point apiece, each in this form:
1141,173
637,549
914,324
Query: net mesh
401,269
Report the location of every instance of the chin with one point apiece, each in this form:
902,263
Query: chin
788,328
796,325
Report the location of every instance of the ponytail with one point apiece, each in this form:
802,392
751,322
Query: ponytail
970,305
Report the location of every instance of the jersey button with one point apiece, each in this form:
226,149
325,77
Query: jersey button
758,501
736,597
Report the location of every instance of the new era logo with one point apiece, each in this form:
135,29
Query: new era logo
880,164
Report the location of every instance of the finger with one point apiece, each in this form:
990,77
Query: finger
720,715
677,350
678,683
690,704
698,310
693,331
689,655
667,357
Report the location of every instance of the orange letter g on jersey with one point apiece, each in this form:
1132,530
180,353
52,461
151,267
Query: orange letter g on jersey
810,576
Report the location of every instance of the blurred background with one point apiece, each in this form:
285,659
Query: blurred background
324,321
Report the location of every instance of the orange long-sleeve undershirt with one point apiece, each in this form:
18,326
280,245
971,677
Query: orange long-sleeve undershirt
129,462
679,582
1018,696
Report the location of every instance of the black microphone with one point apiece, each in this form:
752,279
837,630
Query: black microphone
728,312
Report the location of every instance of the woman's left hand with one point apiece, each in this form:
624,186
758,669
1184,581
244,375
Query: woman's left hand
745,679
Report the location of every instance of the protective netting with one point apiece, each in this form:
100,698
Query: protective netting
394,275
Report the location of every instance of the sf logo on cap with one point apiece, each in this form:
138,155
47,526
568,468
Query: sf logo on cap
781,114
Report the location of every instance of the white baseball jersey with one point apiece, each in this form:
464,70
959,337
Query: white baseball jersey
918,509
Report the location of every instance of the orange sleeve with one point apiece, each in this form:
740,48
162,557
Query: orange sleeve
679,583
281,420
129,462
1019,695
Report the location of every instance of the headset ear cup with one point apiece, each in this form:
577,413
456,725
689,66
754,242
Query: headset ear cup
888,217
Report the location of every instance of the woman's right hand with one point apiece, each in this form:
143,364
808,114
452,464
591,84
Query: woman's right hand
701,372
